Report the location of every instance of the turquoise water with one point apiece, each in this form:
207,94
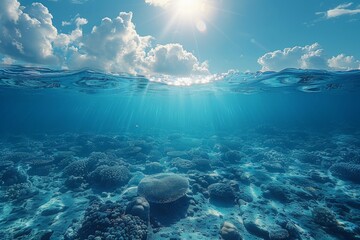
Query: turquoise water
40,100
276,154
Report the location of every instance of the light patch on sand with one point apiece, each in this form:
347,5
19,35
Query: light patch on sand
240,220
340,184
274,205
248,165
127,190
108,195
51,202
27,223
214,174
247,175
259,221
214,212
253,191
58,217
193,219
300,229
274,178
6,210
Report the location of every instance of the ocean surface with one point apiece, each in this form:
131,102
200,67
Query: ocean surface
265,155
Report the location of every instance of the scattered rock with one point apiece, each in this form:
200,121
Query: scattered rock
256,226
43,235
53,210
139,207
278,233
228,231
182,165
12,175
232,156
276,191
153,168
324,217
175,154
221,192
274,166
73,182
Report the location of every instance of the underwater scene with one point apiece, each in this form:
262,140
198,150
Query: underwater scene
264,155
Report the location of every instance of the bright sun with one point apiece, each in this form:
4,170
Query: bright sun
189,8
191,11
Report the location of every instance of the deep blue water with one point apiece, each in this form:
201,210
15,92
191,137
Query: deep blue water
87,155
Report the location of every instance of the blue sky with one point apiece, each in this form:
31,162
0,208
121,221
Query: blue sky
181,37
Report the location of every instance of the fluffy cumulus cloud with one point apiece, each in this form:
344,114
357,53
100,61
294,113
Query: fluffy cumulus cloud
63,41
342,62
305,57
341,10
113,46
309,56
28,34
173,59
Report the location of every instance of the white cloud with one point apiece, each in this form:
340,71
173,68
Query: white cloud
65,23
27,33
158,3
310,56
307,57
65,41
79,1
341,10
343,62
80,21
174,60
115,46
9,10
8,60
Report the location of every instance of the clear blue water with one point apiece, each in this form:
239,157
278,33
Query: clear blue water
276,154
40,100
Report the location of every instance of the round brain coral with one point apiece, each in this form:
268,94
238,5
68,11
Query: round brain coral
110,176
163,187
346,171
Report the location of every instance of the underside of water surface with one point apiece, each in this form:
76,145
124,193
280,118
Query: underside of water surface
87,155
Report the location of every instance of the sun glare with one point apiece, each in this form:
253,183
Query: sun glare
191,11
188,8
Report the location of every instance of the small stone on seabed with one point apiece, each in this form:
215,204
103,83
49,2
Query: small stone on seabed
228,231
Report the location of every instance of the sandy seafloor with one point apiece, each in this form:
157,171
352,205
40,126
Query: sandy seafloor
265,183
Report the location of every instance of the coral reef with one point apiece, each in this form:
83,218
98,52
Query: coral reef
108,221
288,186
